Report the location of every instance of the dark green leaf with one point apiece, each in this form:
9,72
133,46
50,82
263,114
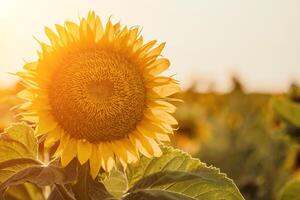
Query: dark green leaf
41,176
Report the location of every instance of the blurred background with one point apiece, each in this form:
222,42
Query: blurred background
232,58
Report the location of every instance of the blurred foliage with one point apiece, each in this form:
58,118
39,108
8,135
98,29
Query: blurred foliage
290,191
287,109
8,100
242,135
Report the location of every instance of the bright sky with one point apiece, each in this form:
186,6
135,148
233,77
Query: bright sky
207,40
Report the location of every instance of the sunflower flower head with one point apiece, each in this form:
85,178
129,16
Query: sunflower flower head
99,92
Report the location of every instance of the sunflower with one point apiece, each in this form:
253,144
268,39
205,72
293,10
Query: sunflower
99,93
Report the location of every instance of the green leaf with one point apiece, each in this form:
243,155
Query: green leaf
291,191
11,167
42,176
177,176
287,110
18,150
24,134
26,191
18,141
116,183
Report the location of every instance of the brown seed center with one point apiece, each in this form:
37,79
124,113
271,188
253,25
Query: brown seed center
97,95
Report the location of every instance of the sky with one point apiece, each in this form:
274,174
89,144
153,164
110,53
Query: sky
207,40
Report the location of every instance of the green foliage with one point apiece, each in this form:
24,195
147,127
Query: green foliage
175,176
287,110
18,150
243,140
42,176
116,183
19,165
26,191
291,191
18,141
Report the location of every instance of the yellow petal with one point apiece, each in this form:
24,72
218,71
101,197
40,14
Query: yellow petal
132,152
62,144
99,29
40,103
107,159
162,105
162,137
27,76
139,145
156,149
164,91
142,146
160,81
156,51
86,33
32,66
133,33
161,116
84,151
91,19
151,130
117,27
63,34
95,161
28,118
166,127
145,48
128,148
54,39
120,152
46,48
53,137
159,66
46,123
73,28
138,44
69,152
26,95
150,144
109,31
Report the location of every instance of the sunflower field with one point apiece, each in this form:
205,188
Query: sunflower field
97,117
